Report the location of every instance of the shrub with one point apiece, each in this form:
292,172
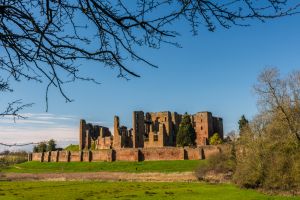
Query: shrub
268,160
215,139
223,163
10,158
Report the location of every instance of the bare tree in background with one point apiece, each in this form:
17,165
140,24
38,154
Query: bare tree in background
280,98
45,40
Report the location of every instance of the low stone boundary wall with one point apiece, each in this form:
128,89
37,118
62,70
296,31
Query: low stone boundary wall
162,153
193,154
37,157
127,154
103,155
75,156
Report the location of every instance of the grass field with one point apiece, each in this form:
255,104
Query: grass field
127,190
147,166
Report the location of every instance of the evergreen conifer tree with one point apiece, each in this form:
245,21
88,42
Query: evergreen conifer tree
186,135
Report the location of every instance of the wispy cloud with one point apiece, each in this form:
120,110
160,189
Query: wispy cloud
25,121
39,118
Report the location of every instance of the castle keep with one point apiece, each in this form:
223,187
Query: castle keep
149,130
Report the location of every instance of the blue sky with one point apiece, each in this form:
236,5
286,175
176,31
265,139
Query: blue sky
211,72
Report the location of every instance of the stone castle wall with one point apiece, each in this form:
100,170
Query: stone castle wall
127,154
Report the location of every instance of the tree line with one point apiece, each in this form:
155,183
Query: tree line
45,146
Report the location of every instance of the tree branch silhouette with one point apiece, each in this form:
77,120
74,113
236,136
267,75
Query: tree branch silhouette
45,40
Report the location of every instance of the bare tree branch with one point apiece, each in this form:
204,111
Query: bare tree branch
13,109
46,40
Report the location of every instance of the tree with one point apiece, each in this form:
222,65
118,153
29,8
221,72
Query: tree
46,40
243,122
268,154
41,147
51,145
186,135
35,149
45,146
280,97
215,139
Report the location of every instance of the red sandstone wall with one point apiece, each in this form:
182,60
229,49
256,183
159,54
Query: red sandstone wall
171,153
75,156
102,155
47,157
63,156
129,154
86,156
54,155
104,143
37,156
193,154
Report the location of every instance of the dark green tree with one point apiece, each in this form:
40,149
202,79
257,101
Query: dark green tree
243,122
42,147
51,145
186,135
35,149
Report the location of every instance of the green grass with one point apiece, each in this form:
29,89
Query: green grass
127,190
72,147
138,167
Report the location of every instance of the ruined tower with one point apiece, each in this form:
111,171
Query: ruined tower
138,127
82,133
205,125
117,139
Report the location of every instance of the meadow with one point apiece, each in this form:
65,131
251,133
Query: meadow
128,190
133,167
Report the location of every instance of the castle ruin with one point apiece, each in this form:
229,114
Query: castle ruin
149,130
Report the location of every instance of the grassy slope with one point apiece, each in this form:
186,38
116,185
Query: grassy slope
72,147
127,190
149,166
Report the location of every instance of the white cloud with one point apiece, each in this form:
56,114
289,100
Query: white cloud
16,135
37,127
